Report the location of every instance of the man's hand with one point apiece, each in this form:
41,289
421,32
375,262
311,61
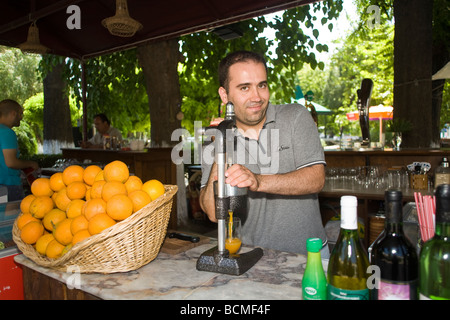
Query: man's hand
242,177
215,122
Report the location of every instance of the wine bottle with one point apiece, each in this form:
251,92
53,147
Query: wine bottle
434,270
395,255
314,282
347,267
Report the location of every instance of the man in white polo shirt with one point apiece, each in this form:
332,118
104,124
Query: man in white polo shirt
282,162
103,127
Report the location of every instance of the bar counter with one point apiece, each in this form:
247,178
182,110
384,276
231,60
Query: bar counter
276,276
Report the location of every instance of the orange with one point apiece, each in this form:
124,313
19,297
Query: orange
88,194
79,223
54,249
31,232
119,207
133,183
41,187
40,206
62,232
56,181
96,189
52,218
112,188
42,243
99,176
76,190
100,222
23,219
154,188
74,209
116,171
72,173
90,173
61,199
140,199
25,203
94,207
80,236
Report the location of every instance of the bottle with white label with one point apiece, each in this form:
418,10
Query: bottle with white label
347,268
442,173
395,255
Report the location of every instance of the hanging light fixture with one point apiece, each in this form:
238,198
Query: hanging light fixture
122,24
33,45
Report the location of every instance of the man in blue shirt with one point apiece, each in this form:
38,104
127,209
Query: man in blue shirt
11,113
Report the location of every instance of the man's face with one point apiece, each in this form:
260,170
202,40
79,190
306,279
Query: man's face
101,126
249,93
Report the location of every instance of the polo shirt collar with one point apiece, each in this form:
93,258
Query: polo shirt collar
270,114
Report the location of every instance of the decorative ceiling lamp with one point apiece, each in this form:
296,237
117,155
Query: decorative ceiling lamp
33,45
122,24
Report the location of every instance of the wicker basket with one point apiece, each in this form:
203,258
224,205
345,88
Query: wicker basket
126,246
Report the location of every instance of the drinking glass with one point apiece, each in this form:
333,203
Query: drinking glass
233,235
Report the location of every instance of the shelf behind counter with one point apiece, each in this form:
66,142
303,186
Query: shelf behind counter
369,198
385,159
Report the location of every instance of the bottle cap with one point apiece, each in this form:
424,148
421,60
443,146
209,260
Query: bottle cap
443,203
393,195
393,199
347,201
314,244
349,212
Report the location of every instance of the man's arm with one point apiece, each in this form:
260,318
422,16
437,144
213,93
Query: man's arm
207,195
302,181
306,180
13,162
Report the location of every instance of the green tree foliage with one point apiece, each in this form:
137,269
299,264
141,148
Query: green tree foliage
20,79
115,86
203,51
360,56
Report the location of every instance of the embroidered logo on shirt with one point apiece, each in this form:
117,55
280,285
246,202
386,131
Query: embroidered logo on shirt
281,148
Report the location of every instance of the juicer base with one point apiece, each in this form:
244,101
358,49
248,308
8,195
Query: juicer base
233,264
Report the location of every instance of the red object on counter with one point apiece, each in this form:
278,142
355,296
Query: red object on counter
11,280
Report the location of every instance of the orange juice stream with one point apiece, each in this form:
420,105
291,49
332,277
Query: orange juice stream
232,244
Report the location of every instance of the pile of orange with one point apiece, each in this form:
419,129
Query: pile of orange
72,205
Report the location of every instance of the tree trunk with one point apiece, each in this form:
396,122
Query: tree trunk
412,70
441,55
159,62
57,123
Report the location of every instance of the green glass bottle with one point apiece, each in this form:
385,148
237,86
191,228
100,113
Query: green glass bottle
434,261
347,268
314,282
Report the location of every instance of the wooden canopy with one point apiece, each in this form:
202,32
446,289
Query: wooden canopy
160,20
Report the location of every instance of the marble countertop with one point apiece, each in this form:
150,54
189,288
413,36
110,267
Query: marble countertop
276,276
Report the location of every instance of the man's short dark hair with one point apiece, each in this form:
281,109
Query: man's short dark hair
235,57
8,105
103,117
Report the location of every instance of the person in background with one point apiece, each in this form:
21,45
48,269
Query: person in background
103,127
11,113
282,165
